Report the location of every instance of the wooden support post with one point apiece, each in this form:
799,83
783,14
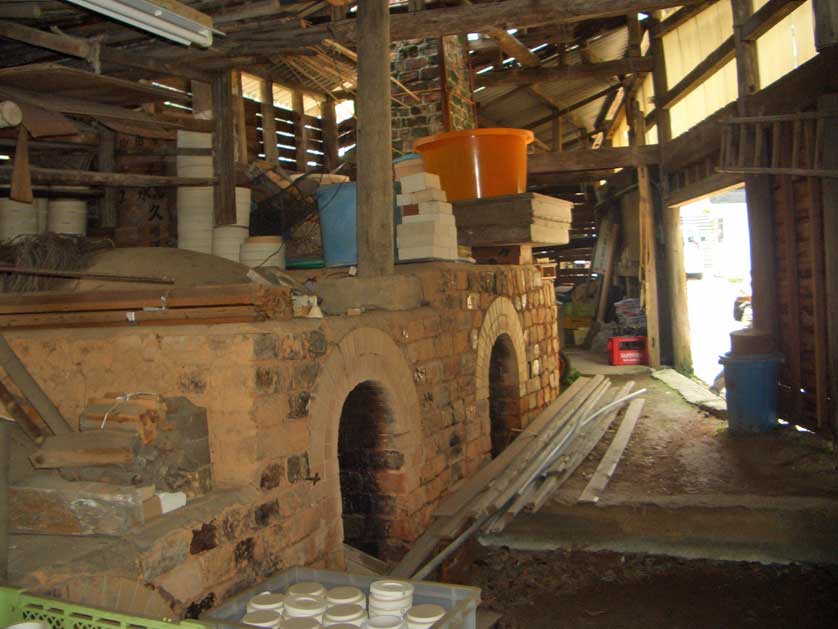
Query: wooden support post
829,192
201,100
5,453
240,127
676,277
106,163
648,246
330,134
269,122
826,23
224,151
557,131
300,131
757,187
375,170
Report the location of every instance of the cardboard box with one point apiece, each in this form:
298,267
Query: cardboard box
420,181
443,219
435,207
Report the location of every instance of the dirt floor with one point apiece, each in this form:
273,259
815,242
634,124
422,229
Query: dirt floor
678,449
535,590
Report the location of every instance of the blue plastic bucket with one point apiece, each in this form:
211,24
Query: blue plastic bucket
751,386
338,209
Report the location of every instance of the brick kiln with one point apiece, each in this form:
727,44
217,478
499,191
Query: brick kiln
346,428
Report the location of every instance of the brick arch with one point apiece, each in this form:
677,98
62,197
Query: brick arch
368,355
501,318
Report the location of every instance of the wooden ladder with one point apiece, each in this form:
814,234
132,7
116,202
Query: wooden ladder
754,145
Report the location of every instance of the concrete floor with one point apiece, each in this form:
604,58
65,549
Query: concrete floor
686,487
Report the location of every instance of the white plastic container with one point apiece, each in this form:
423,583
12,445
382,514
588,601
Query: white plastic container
195,219
196,197
390,597
194,166
243,199
297,606
423,616
346,595
345,614
194,139
227,241
67,216
17,219
267,600
41,212
263,618
266,251
385,622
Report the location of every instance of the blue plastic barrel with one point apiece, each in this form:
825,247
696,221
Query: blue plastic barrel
338,209
751,390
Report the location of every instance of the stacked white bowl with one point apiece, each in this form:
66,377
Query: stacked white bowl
263,251
346,595
423,616
195,217
349,614
385,622
266,618
301,623
67,216
389,597
301,606
17,219
267,600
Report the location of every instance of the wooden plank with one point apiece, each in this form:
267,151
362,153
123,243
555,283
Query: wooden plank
240,122
224,151
462,19
829,199
330,136
826,24
106,162
593,159
300,132
817,255
700,73
142,298
792,291
23,413
375,179
83,449
599,481
54,176
766,17
268,121
545,74
681,16
605,288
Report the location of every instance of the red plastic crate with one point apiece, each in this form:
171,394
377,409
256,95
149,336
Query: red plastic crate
628,350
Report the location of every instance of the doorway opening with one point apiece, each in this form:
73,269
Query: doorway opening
504,396
361,457
717,263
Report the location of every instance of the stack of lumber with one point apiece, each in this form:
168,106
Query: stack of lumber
232,303
527,473
528,218
428,229
138,415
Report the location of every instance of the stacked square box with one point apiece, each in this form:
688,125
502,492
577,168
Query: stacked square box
428,229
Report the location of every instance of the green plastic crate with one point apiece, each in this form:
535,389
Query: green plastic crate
18,606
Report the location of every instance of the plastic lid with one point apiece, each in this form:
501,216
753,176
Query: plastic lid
385,622
262,618
425,613
345,612
300,623
343,595
420,143
304,606
391,590
267,600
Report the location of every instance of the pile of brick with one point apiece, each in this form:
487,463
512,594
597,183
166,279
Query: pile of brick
428,228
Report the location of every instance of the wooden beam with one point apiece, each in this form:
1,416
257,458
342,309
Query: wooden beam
829,192
557,113
544,74
375,170
766,17
703,189
268,121
469,19
826,24
513,47
201,100
703,71
593,159
224,149
239,117
681,16
330,135
58,177
83,49
300,132
106,162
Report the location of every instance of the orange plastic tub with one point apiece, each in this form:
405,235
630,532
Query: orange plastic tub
477,163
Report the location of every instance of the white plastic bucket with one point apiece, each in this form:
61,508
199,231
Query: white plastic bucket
41,211
194,165
243,198
17,219
268,251
423,616
67,216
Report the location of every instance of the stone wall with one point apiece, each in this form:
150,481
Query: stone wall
437,72
276,396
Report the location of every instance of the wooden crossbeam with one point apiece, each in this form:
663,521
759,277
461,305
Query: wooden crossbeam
54,176
681,16
768,15
593,159
703,71
614,67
